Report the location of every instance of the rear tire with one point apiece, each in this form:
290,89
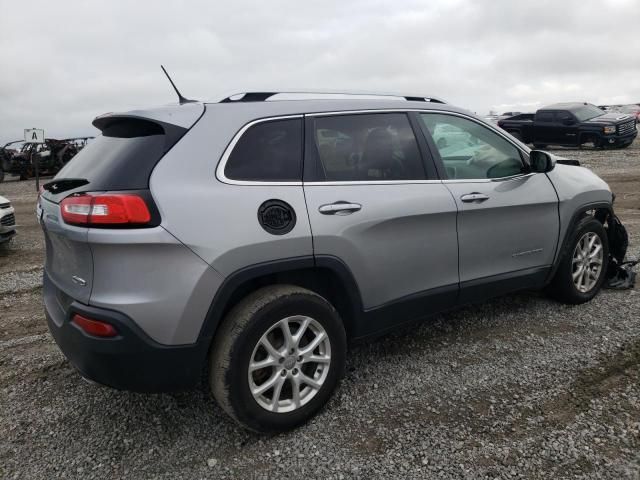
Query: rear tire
302,380
579,277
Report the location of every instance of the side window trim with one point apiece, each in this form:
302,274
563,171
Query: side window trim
309,159
426,153
222,163
435,154
433,150
312,163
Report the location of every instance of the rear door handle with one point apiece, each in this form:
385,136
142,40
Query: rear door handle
339,208
474,197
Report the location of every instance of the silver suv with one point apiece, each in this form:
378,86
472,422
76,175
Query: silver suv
246,242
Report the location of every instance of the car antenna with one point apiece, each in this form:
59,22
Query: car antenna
181,99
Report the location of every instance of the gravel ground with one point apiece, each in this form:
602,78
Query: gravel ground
519,387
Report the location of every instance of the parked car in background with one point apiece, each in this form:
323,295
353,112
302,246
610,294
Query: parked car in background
51,156
633,110
7,220
504,115
572,124
491,117
293,228
452,136
8,161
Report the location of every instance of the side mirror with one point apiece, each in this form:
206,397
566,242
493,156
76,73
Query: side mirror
541,162
568,122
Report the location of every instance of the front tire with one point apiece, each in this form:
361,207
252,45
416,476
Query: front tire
277,358
583,267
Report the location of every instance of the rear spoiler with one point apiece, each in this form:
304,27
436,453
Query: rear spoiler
129,126
184,116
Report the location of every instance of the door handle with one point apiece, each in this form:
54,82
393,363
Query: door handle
474,197
339,208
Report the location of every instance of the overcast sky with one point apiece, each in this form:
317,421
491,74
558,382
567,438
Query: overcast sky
64,62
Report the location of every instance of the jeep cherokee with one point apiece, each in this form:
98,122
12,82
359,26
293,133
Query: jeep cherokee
246,242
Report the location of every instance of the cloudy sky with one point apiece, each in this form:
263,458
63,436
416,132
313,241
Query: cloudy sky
65,62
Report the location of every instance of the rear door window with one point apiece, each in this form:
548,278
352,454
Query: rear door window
367,147
269,151
546,117
563,117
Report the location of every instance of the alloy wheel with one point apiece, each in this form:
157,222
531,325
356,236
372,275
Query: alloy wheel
289,364
587,262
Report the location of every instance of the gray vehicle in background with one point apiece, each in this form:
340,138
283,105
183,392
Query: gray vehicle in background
246,242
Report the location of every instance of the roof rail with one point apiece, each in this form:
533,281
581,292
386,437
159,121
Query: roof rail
264,96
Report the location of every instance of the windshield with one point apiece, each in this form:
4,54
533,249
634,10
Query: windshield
587,112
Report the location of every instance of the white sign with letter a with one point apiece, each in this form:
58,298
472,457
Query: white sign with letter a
33,135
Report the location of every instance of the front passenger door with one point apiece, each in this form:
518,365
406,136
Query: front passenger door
508,218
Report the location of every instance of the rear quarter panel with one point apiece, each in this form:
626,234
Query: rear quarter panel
150,276
219,221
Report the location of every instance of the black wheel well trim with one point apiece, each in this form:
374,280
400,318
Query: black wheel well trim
227,294
575,218
590,134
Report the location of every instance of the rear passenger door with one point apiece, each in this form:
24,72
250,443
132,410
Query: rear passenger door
375,204
544,128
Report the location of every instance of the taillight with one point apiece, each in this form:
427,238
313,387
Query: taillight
96,328
105,209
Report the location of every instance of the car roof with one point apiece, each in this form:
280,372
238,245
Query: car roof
255,105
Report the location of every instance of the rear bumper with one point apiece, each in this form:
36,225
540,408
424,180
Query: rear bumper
130,361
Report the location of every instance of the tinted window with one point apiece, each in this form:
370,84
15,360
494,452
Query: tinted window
123,157
588,112
470,150
367,147
268,151
563,116
544,117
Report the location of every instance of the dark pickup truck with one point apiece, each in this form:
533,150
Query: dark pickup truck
572,124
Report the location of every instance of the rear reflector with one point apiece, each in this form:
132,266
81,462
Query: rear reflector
94,327
105,209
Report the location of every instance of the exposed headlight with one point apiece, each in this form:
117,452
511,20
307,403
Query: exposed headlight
610,129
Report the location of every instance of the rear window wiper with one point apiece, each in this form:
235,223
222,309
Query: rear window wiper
64,184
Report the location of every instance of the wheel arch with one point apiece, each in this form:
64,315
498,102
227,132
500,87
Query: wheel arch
327,276
601,212
586,136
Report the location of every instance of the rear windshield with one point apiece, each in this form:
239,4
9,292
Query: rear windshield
123,157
